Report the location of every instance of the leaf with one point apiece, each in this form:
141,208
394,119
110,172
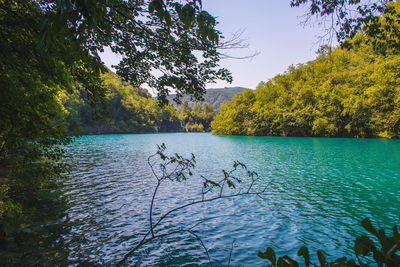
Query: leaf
282,263
382,236
269,254
152,6
379,257
321,257
186,14
351,263
341,260
303,251
291,261
167,18
230,184
363,246
396,234
366,223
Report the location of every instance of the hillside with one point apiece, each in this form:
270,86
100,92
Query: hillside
128,110
342,93
217,97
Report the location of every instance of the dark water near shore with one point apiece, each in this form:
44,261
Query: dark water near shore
320,190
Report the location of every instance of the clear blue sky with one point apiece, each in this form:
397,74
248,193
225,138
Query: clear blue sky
271,27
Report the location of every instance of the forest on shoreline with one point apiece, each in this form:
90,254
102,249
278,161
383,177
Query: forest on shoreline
129,109
349,91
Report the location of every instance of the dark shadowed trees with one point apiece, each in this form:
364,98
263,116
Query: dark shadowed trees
49,48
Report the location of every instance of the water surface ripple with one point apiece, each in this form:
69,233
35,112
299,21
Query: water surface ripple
321,189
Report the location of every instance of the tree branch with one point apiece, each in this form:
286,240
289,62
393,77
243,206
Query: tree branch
179,172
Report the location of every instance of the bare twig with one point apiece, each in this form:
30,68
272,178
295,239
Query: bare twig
230,253
151,207
202,244
176,168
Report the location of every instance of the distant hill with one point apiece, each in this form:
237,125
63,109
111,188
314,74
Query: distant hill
217,96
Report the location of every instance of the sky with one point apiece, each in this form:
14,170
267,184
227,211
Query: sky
271,28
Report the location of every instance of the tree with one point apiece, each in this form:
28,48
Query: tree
150,35
167,169
49,48
346,18
342,93
185,112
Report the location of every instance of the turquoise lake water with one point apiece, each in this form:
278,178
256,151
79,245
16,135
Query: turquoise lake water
319,191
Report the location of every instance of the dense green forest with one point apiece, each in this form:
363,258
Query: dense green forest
216,96
350,91
130,109
52,85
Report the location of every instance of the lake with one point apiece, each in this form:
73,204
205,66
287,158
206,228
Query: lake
319,191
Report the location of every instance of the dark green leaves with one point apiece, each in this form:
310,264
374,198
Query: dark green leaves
269,254
347,17
284,261
303,251
321,257
342,93
389,245
363,246
365,251
156,5
167,41
366,223
186,14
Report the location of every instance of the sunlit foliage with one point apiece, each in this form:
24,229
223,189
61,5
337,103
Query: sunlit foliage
50,69
343,93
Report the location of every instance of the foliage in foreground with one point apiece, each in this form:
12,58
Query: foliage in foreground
50,48
365,250
346,18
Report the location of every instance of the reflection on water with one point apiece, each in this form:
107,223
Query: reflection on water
321,189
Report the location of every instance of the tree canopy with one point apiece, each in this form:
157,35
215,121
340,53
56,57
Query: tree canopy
49,52
346,18
343,93
129,110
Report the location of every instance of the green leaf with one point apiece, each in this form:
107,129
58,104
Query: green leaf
382,236
341,260
366,223
290,261
186,14
379,257
167,18
152,6
269,254
321,257
303,251
396,234
282,263
363,246
351,263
